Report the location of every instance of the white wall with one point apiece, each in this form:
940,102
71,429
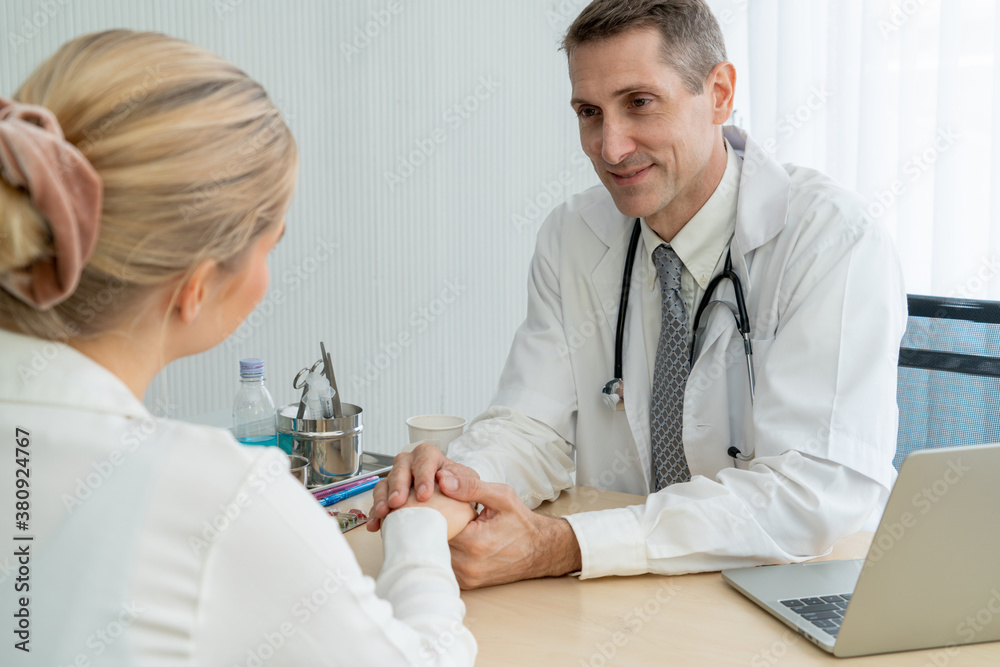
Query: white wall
416,286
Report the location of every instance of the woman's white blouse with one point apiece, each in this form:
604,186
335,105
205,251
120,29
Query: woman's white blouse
158,542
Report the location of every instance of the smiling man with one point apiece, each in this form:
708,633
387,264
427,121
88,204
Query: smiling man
743,458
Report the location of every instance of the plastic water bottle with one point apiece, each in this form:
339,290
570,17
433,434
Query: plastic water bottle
253,409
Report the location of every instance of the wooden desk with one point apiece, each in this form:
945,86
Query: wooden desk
694,619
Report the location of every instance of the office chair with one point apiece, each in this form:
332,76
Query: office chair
949,374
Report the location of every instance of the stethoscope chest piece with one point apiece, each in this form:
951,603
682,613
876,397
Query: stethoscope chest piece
613,395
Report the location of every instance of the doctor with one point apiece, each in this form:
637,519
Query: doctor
738,480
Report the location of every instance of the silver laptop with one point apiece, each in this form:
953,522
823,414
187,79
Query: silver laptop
932,574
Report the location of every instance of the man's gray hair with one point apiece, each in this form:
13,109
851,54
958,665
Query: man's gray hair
692,39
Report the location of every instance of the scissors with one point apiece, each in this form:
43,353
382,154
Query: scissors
300,383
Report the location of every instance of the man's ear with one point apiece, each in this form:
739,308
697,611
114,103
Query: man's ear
194,290
721,86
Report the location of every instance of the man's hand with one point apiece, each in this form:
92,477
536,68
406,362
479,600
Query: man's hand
507,541
417,470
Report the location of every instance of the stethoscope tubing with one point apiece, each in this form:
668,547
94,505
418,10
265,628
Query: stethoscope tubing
633,247
741,316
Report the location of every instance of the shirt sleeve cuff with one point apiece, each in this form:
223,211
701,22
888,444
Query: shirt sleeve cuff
482,468
415,534
611,543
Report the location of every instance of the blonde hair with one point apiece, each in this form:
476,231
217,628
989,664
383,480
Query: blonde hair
196,162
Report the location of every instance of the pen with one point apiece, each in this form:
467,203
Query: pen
339,495
343,486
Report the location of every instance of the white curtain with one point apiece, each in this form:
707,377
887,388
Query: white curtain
895,99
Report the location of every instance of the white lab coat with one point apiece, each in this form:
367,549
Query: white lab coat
827,306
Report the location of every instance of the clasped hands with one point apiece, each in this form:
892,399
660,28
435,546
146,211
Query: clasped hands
504,542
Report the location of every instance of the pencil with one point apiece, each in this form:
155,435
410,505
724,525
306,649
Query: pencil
336,497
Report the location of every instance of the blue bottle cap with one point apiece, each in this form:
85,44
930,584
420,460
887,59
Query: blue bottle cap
251,368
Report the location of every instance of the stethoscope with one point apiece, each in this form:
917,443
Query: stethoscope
613,391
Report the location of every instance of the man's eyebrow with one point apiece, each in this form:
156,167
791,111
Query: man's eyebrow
625,90
635,88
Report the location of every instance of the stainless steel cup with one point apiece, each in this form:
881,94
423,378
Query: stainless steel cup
332,446
299,467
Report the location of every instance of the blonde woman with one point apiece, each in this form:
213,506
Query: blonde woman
143,182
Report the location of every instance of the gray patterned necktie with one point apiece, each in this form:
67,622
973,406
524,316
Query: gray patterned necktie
670,375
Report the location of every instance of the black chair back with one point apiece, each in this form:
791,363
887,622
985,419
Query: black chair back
949,374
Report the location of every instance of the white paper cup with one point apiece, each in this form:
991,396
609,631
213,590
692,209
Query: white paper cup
436,429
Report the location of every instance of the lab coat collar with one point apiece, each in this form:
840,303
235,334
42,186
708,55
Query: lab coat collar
42,372
606,221
763,200
614,230
760,216
607,275
607,279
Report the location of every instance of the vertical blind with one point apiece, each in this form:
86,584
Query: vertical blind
896,100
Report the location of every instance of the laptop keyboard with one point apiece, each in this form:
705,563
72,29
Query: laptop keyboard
825,612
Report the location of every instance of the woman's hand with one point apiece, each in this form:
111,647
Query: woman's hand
457,513
413,474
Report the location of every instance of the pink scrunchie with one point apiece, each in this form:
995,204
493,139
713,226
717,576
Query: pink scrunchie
64,188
